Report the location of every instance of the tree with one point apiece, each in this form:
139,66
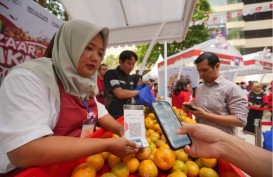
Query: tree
54,7
111,61
195,35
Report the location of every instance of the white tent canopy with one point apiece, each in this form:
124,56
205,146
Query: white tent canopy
135,22
229,56
256,63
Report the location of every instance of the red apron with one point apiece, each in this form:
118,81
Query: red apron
72,114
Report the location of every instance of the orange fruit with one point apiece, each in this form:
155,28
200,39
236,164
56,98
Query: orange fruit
205,172
105,156
113,159
179,165
188,120
198,162
152,145
120,170
156,127
127,158
115,136
149,124
159,143
147,168
96,161
165,146
193,169
181,155
154,150
177,173
132,165
144,153
190,158
150,131
154,136
164,158
163,138
152,157
210,163
84,170
109,174
151,115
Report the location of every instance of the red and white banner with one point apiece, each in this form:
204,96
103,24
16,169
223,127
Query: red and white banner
245,12
26,28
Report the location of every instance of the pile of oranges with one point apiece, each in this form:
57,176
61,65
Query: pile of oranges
151,160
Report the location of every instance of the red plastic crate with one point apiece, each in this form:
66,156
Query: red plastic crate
224,168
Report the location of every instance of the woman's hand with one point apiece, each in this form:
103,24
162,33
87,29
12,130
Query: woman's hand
122,147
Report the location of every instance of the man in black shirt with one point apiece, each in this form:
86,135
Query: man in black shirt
118,84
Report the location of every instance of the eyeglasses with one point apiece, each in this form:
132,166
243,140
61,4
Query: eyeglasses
104,69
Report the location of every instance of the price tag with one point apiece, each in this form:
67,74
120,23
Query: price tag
134,126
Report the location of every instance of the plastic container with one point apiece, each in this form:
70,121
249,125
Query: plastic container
224,168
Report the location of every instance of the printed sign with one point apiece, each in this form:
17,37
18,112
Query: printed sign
26,28
134,126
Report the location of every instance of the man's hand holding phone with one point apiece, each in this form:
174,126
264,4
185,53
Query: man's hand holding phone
188,106
196,111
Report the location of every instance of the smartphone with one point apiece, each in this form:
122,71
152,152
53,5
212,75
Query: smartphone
189,106
169,123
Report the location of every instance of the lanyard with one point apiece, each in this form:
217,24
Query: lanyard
91,115
86,106
89,124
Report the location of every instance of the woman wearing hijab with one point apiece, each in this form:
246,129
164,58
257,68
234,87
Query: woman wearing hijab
47,100
256,99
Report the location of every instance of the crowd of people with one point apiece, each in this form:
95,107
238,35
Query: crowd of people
70,85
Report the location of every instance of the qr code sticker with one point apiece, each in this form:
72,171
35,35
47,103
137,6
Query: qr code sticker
134,129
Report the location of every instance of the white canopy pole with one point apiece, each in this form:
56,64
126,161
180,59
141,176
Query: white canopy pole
179,73
165,72
262,78
150,48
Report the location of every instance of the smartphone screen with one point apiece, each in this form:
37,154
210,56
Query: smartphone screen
169,123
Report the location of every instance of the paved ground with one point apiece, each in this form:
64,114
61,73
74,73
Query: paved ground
251,138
